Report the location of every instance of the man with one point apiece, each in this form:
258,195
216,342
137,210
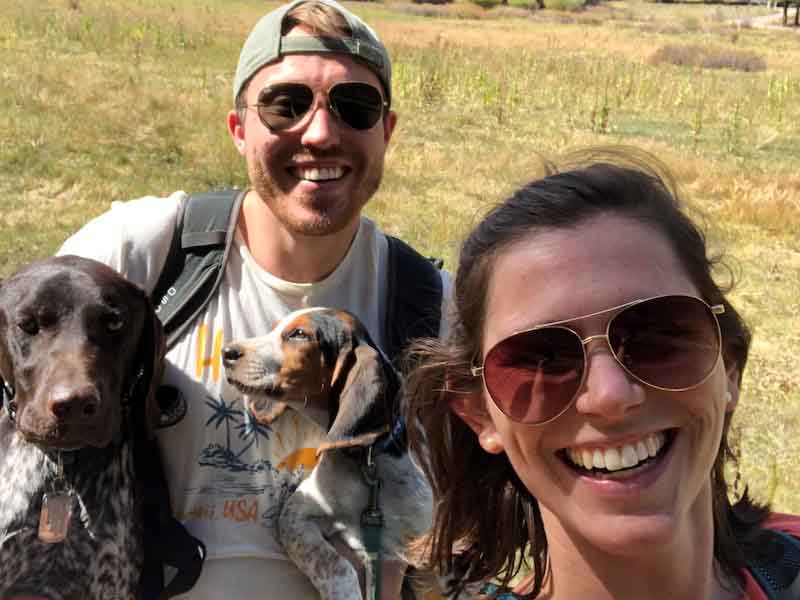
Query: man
312,120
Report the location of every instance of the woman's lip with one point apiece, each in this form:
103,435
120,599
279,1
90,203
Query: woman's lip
622,483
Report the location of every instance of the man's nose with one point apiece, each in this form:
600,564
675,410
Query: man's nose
322,129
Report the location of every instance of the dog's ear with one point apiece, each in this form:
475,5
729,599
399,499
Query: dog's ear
150,358
366,393
6,364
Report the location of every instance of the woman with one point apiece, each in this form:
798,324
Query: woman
578,414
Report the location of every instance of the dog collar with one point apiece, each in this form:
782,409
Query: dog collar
395,440
10,407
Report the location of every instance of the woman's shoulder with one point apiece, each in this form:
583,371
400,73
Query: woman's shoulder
495,592
777,573
784,522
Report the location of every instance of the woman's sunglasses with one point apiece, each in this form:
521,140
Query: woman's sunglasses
669,343
283,105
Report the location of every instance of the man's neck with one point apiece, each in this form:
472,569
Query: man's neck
288,256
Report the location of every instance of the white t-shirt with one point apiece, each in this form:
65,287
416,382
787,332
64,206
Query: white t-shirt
227,473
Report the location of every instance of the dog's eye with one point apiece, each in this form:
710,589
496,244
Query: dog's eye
298,335
29,325
114,323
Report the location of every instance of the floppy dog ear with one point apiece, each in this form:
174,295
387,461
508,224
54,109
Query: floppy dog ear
150,358
6,367
7,382
365,402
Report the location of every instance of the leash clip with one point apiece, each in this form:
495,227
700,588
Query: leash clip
372,525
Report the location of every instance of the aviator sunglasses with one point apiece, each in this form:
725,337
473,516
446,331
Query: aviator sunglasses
670,343
357,104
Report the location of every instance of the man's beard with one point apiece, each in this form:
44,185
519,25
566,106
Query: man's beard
327,220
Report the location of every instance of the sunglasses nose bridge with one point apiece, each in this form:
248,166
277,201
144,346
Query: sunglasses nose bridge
588,354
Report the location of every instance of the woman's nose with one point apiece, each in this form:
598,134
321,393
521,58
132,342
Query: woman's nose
609,391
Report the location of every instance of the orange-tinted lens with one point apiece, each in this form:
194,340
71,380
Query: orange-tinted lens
671,342
534,375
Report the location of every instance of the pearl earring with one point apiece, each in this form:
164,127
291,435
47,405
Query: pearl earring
728,397
490,443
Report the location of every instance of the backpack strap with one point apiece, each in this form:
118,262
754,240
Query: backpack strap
204,233
413,297
780,579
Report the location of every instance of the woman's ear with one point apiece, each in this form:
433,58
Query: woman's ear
733,377
470,408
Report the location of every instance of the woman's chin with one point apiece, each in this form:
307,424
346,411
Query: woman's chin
629,535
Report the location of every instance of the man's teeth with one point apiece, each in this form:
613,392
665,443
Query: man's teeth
321,174
620,457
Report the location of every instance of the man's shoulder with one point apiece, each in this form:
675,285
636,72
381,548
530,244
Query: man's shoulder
132,237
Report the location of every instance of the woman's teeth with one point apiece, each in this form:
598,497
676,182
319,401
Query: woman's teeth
318,174
619,457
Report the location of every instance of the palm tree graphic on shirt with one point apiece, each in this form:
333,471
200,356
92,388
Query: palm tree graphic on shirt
250,431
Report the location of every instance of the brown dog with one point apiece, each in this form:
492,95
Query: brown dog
80,358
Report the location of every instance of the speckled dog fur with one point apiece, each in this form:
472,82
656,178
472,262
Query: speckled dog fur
102,555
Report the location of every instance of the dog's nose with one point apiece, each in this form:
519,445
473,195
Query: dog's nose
73,404
230,354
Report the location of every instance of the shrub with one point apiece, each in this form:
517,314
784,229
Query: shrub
708,57
487,3
566,5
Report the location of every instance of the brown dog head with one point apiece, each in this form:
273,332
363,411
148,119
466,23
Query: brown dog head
78,342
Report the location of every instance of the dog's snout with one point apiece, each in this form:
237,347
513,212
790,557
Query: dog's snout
230,354
74,404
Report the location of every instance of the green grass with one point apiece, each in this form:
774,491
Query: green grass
102,100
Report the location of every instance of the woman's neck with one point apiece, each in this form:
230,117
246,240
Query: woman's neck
681,568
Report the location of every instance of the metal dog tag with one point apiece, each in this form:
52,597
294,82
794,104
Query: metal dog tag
55,517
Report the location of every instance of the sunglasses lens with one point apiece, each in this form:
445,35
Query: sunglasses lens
359,105
671,342
282,106
534,375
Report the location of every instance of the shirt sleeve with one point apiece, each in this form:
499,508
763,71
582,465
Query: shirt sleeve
132,237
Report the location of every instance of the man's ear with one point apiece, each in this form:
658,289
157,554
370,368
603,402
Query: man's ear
389,123
236,129
734,377
470,408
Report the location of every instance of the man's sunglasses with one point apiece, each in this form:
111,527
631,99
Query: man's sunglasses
357,104
669,343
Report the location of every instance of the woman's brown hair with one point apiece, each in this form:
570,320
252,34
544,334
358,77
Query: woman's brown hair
485,521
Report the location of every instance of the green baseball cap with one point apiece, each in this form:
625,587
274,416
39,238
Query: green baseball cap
265,44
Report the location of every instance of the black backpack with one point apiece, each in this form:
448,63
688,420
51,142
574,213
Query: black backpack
199,251
780,576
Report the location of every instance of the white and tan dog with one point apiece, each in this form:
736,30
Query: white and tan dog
322,363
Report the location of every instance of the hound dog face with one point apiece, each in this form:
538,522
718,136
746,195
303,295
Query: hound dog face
75,339
320,362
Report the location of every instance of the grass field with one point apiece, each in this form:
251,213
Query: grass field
107,100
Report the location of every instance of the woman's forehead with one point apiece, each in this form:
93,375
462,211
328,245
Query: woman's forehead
556,274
